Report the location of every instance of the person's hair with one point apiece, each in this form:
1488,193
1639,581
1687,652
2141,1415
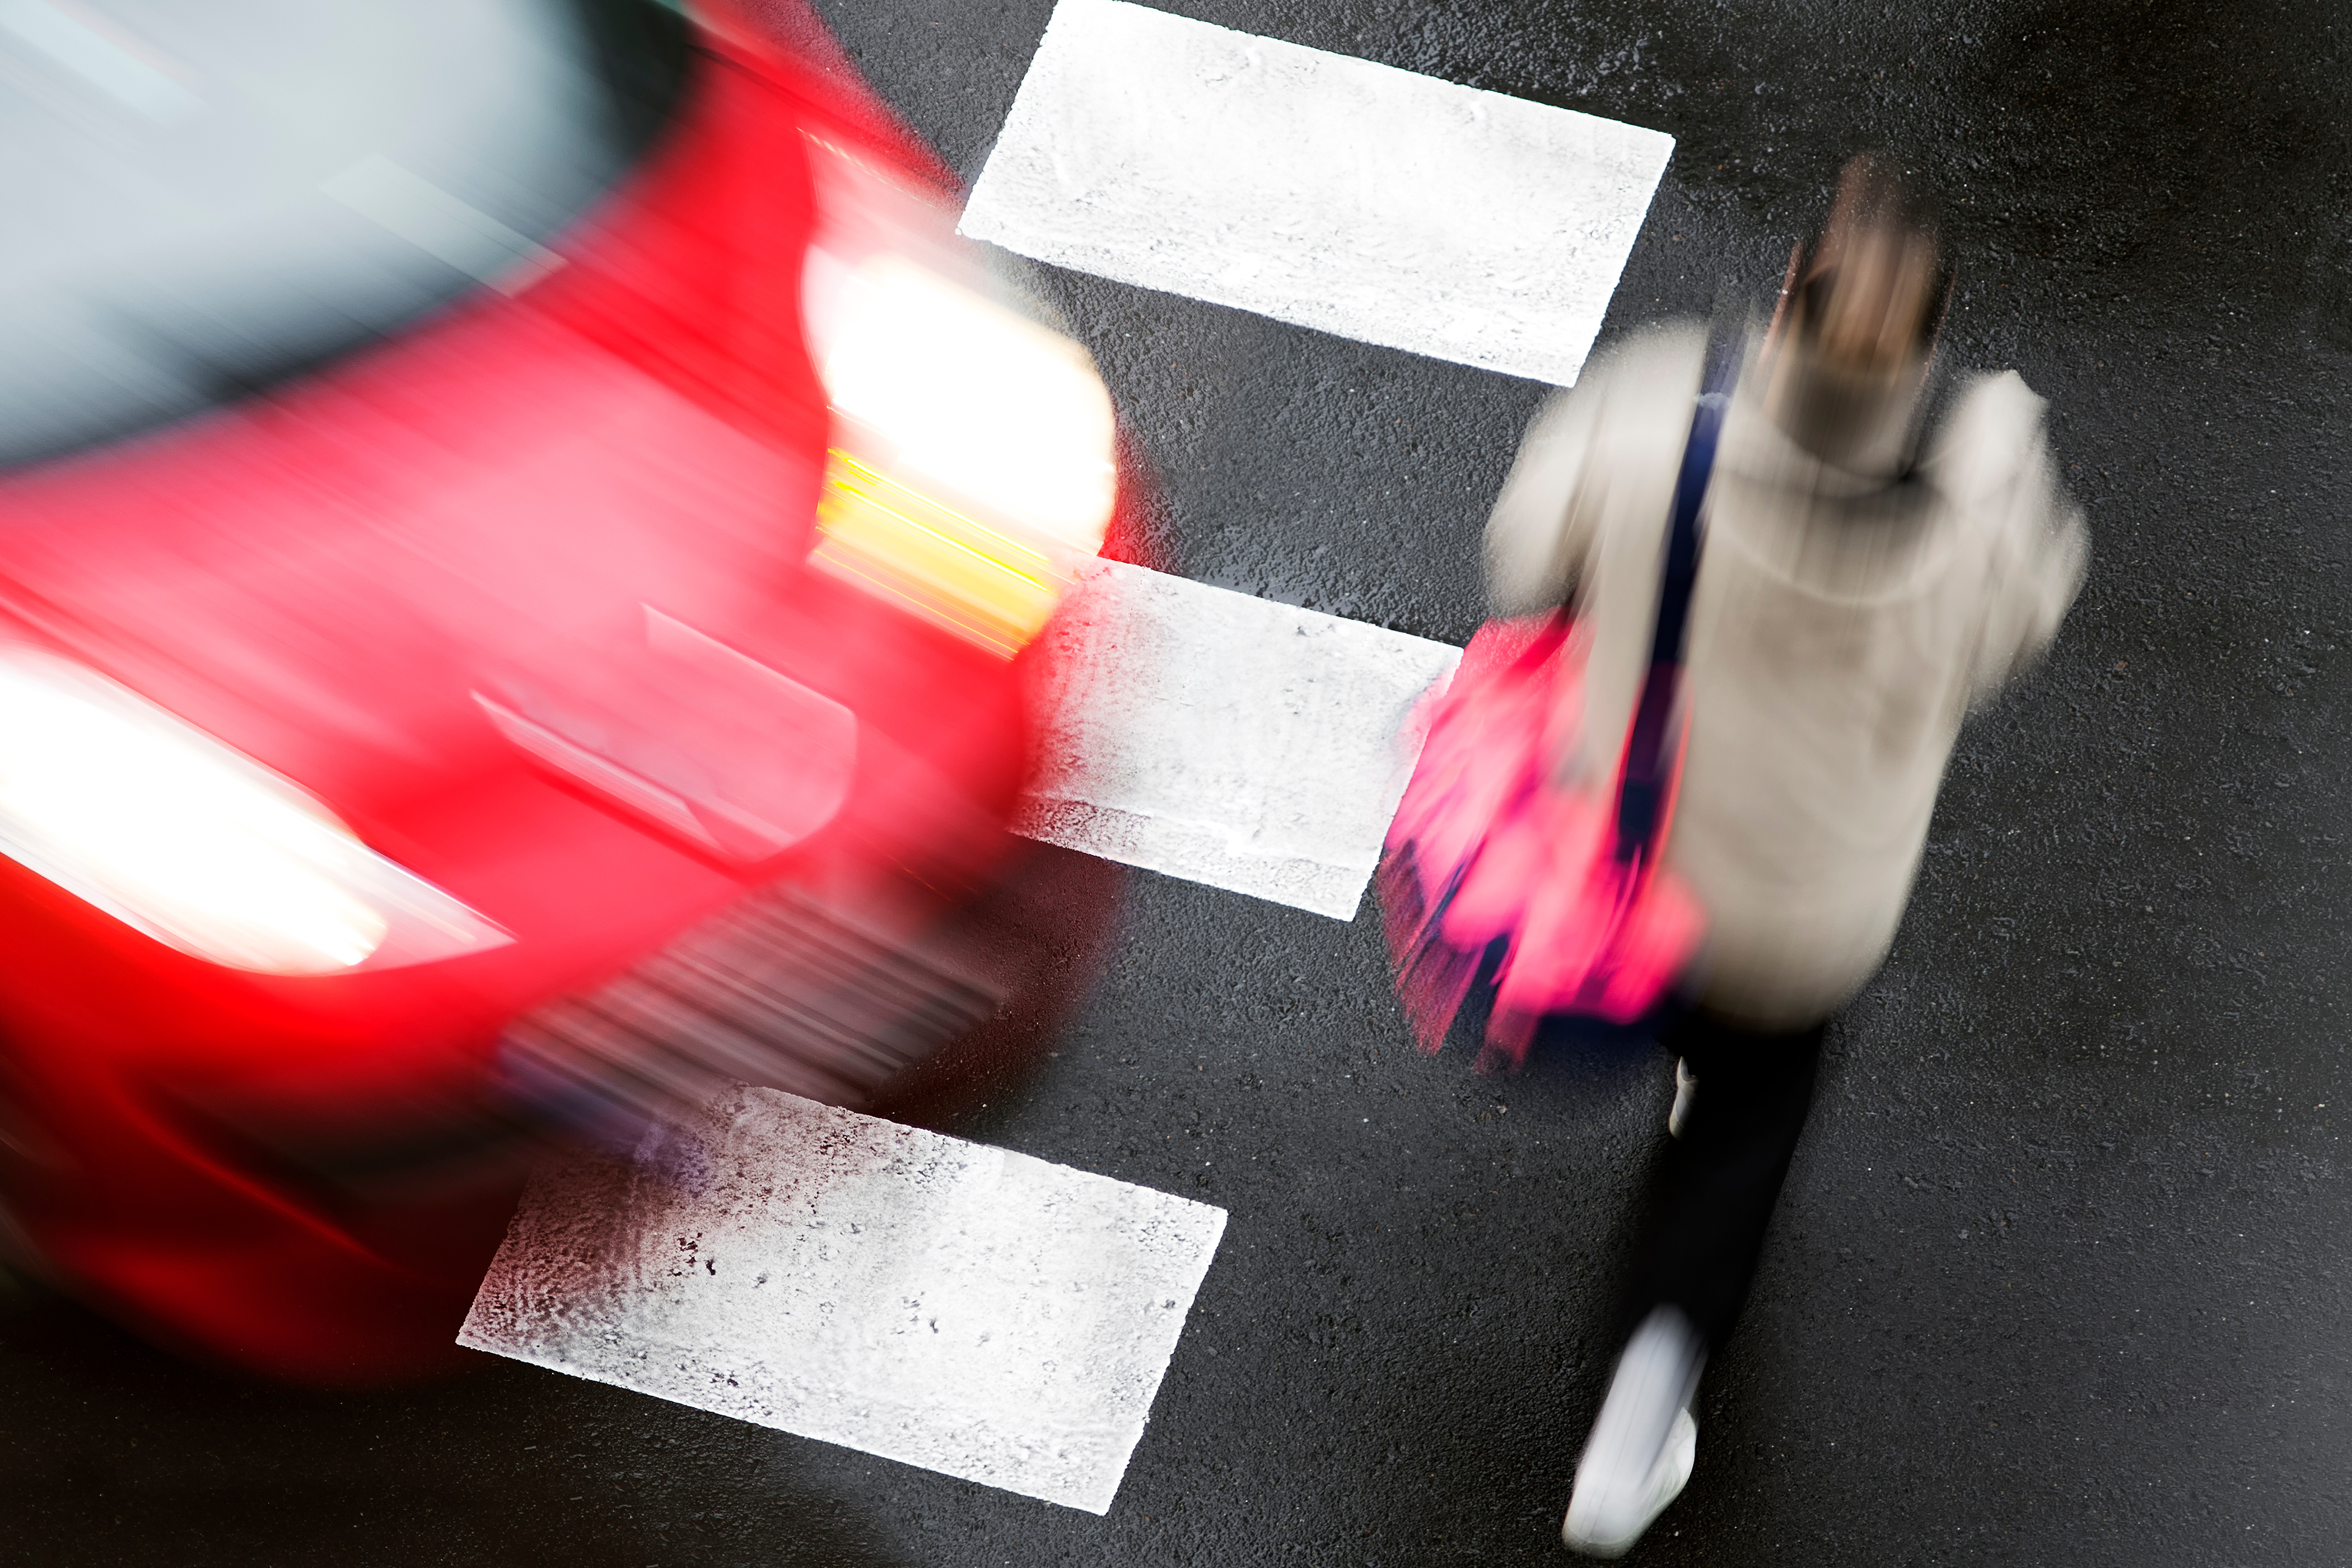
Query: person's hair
1872,289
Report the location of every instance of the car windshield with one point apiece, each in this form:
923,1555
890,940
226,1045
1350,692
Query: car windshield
202,200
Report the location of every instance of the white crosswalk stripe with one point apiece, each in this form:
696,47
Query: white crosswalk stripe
964,1308
1320,189
1203,733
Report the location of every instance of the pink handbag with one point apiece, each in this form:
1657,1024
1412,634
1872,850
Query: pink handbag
1488,847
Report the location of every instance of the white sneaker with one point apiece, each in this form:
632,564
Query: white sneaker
1644,1441
1686,1090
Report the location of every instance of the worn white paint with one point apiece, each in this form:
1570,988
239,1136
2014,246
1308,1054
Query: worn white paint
956,1307
1224,739
1316,188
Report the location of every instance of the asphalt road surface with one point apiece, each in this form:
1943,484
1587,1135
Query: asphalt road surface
2058,1276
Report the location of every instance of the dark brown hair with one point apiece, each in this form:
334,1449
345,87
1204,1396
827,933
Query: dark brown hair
1878,239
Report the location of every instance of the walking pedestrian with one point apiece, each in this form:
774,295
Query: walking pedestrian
1859,589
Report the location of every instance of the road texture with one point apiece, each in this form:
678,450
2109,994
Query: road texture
2058,1275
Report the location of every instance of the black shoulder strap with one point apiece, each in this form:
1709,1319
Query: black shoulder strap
1642,785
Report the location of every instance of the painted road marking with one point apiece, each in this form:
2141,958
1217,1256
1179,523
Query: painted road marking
1318,189
1250,746
964,1308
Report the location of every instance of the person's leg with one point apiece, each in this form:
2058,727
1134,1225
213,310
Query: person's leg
1719,1180
1741,1101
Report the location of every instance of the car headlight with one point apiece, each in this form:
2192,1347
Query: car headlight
168,830
974,463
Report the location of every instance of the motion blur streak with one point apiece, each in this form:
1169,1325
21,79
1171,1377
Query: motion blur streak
154,822
439,223
108,63
941,563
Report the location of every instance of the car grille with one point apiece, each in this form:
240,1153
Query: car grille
780,991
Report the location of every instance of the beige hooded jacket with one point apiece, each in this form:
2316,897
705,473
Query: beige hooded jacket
1841,626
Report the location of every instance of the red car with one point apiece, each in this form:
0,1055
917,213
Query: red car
594,670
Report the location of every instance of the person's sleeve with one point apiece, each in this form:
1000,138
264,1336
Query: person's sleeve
1998,468
1540,528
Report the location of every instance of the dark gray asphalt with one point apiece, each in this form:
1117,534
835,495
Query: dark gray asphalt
2058,1276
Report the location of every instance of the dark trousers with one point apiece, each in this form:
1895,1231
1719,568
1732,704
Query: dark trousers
1718,1183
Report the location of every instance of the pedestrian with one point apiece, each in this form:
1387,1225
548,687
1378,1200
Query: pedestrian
1859,586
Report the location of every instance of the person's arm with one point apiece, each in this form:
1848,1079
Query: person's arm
1538,534
1995,463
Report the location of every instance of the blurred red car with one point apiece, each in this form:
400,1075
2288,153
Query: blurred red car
598,666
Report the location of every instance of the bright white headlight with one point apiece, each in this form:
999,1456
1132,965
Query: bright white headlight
169,831
1004,412
975,465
